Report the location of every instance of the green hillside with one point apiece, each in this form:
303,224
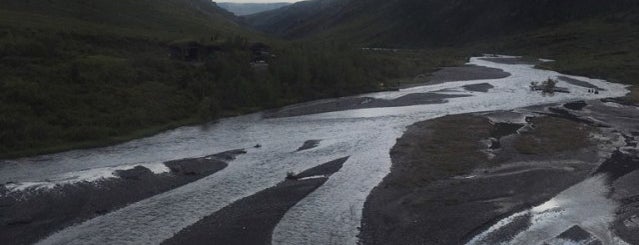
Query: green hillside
142,18
77,73
428,23
589,37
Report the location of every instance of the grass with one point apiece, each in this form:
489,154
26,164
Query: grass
439,148
553,135
70,145
597,47
412,66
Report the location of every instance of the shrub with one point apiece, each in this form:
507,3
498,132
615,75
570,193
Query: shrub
549,86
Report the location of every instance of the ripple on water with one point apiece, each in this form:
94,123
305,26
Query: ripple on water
331,214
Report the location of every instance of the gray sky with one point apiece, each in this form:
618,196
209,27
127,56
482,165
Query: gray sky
257,1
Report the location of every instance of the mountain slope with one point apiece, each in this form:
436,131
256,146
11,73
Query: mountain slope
80,73
299,19
587,37
426,22
241,9
126,17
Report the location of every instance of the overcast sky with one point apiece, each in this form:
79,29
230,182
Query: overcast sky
257,1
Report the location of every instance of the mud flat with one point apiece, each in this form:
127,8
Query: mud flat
251,220
455,177
30,215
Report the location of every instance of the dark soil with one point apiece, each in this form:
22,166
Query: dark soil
324,169
576,106
577,235
480,87
251,220
627,193
618,165
309,144
500,130
420,202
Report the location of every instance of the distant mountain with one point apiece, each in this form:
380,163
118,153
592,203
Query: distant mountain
300,19
419,23
241,9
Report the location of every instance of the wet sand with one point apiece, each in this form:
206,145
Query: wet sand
438,193
26,217
251,220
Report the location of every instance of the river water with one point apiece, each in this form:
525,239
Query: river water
330,215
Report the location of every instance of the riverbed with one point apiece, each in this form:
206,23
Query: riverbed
363,128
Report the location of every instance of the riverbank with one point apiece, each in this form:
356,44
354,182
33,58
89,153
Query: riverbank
454,177
32,214
252,220
443,75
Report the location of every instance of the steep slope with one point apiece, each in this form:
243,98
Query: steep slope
300,19
426,22
241,9
125,17
587,37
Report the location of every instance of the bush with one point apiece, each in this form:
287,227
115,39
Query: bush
549,86
209,109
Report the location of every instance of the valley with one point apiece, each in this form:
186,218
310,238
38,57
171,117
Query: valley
319,122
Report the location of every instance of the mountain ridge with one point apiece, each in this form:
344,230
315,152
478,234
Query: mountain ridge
241,9
419,23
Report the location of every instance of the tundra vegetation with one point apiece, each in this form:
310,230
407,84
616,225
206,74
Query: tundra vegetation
74,76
